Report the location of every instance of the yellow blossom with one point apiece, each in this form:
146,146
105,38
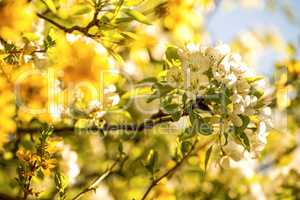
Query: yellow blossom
15,17
183,20
31,86
84,70
7,108
26,156
48,165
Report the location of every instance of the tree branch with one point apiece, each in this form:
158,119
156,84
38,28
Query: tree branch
84,30
156,119
173,169
65,29
148,124
93,186
7,197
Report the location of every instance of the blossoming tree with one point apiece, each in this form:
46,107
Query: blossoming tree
128,99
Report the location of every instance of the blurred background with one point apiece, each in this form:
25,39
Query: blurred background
265,32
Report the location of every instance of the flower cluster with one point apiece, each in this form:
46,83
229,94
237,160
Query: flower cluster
15,17
231,91
42,161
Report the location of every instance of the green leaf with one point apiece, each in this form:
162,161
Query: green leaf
161,90
49,42
80,9
9,47
40,174
61,185
47,132
185,147
136,15
103,20
245,140
171,108
164,89
199,125
182,148
207,156
133,2
115,55
254,79
172,54
129,35
184,98
187,133
246,121
122,20
153,96
258,93
120,148
151,161
176,115
12,59
239,131
50,4
149,80
206,129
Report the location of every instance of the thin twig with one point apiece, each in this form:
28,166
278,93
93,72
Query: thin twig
154,120
94,185
148,124
173,169
8,197
65,29
84,30
27,188
22,52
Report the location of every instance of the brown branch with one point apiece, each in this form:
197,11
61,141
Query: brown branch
84,30
156,119
148,124
65,29
173,169
93,186
22,51
8,197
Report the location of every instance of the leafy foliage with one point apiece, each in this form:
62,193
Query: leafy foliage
138,109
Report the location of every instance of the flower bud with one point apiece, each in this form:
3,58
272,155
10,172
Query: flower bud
238,109
231,80
225,162
247,100
234,150
236,120
267,111
253,101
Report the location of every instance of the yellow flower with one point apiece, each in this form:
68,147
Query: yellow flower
183,20
207,4
79,61
165,191
48,165
7,107
53,144
26,156
84,69
294,67
15,18
22,154
31,87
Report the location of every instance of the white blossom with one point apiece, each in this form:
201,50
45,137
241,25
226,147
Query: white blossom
234,150
216,67
175,77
